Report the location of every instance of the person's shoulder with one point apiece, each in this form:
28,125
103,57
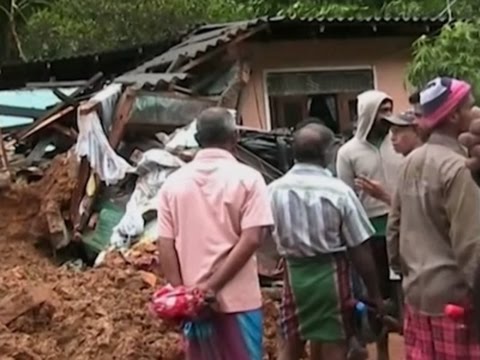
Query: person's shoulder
244,175
178,176
277,184
347,147
334,187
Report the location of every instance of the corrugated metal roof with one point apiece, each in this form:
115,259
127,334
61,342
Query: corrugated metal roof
208,37
201,41
151,79
363,19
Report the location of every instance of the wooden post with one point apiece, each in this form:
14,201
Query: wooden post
3,152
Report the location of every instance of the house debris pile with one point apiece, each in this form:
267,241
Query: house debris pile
47,312
83,179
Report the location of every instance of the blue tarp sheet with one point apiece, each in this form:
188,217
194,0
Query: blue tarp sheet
28,98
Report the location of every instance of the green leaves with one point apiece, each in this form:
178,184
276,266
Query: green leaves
56,28
453,52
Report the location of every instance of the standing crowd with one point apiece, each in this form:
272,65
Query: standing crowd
404,202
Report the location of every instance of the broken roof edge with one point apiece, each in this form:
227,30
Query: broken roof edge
327,20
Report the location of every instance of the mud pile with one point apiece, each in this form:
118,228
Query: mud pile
54,313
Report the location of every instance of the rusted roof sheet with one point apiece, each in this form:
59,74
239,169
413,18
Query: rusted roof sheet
150,79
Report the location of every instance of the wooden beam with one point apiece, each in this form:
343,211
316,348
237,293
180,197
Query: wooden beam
39,123
182,90
3,152
57,84
231,95
65,98
49,121
175,64
210,55
68,132
20,111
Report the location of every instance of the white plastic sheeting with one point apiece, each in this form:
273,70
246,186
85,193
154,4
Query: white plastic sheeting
93,143
153,169
184,138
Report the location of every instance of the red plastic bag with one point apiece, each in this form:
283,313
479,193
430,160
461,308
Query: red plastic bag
178,303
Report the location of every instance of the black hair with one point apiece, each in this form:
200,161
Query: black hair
414,98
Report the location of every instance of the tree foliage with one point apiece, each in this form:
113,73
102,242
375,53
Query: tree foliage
454,52
14,13
66,27
81,26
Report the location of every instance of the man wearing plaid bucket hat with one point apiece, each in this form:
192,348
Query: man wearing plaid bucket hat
433,229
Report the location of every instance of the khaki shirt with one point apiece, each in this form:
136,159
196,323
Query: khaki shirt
434,226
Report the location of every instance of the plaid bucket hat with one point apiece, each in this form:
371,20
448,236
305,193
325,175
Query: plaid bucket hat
439,98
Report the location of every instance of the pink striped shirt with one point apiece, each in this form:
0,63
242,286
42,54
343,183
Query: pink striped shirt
204,206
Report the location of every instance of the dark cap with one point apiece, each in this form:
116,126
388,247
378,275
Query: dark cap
406,118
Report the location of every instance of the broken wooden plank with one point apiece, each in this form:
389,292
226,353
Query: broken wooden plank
230,97
47,117
68,132
175,64
65,98
3,153
182,90
20,111
49,121
15,305
83,176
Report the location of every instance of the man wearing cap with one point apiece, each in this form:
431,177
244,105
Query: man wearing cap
370,154
433,229
406,136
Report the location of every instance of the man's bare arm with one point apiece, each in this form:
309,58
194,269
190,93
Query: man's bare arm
373,188
237,258
169,262
393,234
363,261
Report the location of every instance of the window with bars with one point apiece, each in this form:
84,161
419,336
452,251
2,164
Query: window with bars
323,94
319,82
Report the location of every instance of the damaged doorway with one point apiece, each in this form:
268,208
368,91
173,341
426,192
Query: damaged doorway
328,95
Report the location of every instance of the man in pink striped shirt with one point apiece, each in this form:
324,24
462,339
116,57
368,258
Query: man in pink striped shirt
213,214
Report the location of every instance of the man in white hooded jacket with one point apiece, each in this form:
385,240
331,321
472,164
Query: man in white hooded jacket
370,154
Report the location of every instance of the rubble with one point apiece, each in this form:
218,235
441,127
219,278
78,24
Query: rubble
100,313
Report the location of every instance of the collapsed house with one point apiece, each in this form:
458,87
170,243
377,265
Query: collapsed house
131,129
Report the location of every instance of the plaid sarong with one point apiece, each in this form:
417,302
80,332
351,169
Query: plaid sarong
316,299
439,337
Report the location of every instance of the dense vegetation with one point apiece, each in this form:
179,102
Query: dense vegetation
39,29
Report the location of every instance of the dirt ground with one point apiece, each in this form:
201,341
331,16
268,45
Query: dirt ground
97,314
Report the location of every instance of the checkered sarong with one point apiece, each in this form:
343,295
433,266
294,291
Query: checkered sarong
439,338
